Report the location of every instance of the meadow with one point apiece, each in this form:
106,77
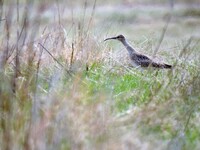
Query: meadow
62,87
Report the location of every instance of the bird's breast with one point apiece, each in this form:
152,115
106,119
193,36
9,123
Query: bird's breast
134,63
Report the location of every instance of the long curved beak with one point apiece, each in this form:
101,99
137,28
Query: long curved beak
112,38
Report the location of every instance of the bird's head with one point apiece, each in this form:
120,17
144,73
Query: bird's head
119,37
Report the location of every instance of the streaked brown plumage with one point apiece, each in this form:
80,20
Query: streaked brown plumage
139,59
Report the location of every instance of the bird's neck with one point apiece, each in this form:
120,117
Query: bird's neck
128,47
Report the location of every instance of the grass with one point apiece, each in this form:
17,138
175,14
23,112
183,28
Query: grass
61,87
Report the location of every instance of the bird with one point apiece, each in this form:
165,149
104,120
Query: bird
137,59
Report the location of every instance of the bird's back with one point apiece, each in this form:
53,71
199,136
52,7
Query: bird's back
144,61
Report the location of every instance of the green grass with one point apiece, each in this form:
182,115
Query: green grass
103,103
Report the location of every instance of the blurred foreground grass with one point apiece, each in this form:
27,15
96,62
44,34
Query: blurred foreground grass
62,87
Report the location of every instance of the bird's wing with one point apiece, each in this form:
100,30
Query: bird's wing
145,61
141,60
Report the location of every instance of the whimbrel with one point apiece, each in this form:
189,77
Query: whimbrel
138,60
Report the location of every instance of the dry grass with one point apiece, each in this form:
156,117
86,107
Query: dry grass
62,87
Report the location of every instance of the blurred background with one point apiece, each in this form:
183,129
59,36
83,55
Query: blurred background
62,87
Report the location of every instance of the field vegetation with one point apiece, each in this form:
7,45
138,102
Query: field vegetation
62,87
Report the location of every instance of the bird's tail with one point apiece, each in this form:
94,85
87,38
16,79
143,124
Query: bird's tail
166,66
157,65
